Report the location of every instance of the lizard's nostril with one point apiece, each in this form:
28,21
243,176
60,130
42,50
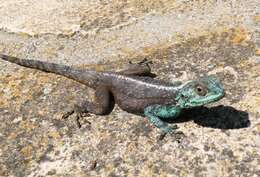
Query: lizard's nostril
183,96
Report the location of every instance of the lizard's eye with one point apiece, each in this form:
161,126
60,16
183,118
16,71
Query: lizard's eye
200,90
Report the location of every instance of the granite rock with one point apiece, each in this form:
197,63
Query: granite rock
184,39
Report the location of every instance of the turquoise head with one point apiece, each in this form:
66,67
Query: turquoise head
200,92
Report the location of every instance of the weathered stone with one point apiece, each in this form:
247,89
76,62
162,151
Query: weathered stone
184,39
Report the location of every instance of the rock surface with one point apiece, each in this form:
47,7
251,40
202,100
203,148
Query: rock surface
184,39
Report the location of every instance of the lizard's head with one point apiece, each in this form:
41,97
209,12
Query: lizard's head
200,92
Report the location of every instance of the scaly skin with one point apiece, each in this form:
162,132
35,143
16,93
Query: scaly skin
134,90
192,94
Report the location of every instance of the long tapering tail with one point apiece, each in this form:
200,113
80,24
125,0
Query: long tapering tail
83,76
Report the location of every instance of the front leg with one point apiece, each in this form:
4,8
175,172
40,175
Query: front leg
155,112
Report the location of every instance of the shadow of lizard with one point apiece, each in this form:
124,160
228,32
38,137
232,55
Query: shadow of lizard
219,117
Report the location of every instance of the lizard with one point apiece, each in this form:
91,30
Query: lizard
134,90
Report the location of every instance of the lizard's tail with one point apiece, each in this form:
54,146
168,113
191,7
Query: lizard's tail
83,76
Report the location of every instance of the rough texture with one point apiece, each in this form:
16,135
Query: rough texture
185,39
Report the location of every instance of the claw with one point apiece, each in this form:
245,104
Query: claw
78,117
67,114
161,136
145,61
178,136
174,127
171,130
77,120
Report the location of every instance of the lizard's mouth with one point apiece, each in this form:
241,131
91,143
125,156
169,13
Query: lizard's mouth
204,100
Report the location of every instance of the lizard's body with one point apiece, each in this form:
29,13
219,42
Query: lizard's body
134,90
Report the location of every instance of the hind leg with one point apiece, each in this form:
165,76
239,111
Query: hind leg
138,69
102,105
